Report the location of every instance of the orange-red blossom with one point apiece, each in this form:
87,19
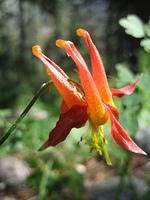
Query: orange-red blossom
93,100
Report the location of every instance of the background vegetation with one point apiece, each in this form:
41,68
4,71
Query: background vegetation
124,42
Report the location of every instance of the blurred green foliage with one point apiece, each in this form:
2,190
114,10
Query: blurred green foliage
54,170
135,27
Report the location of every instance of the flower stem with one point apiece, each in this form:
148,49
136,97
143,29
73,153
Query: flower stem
26,110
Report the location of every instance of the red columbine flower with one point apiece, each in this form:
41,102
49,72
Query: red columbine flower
73,108
94,101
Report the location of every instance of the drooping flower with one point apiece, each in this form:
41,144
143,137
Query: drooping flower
73,108
93,100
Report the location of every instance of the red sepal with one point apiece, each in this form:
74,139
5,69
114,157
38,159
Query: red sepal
64,107
113,110
127,90
120,136
75,117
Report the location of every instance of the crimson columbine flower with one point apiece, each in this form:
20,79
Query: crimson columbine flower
93,100
73,108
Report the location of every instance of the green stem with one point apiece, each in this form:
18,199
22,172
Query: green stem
26,110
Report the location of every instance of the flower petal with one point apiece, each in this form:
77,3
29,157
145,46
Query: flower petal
96,108
114,111
127,90
67,90
64,107
75,117
120,136
98,70
56,66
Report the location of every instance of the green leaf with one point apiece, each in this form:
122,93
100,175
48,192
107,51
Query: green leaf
144,118
145,43
133,26
147,28
132,101
144,83
125,76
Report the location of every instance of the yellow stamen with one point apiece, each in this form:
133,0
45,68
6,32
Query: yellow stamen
60,43
36,50
99,142
81,32
95,140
